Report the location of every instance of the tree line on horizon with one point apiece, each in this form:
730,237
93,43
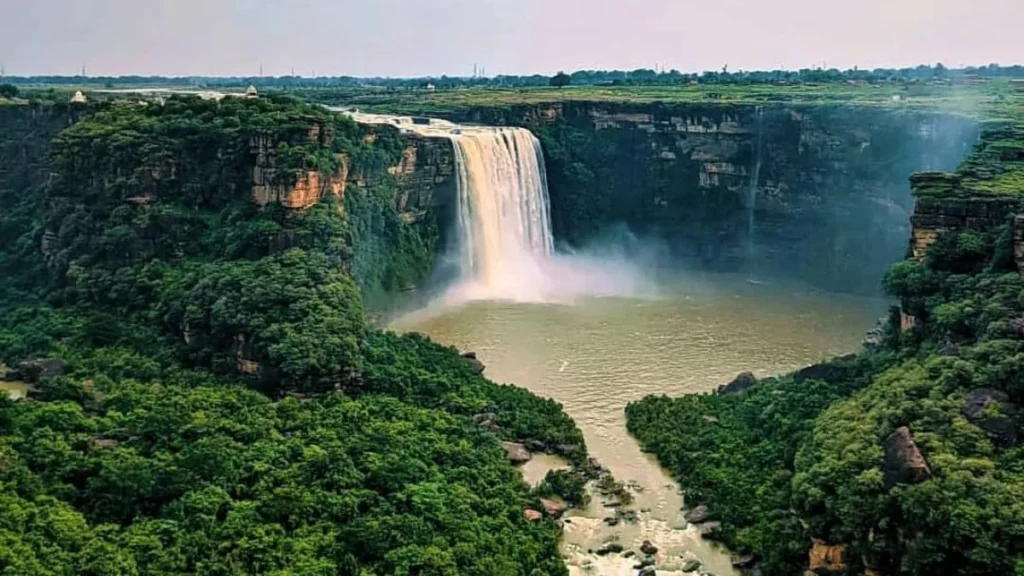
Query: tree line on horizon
640,76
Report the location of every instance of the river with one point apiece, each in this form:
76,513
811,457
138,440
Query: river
597,354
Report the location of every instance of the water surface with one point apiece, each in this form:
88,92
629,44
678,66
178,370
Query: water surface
598,354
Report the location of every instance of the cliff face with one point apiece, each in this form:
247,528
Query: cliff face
818,192
423,176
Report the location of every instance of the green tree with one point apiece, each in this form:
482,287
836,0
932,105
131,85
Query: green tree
561,80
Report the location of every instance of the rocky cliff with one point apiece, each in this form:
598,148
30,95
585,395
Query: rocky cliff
813,191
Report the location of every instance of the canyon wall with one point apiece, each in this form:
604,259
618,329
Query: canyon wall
830,202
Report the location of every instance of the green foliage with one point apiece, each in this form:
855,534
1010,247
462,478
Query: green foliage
569,485
146,265
158,476
8,91
561,80
803,456
961,253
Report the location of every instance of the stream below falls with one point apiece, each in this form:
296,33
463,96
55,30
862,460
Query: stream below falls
597,354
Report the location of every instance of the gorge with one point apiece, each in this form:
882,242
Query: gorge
205,270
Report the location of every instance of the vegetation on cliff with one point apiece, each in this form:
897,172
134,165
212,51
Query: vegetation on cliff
224,408
904,459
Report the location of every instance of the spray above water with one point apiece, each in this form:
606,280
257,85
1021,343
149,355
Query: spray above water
505,244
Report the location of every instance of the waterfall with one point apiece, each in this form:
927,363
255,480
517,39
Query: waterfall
504,224
752,191
504,245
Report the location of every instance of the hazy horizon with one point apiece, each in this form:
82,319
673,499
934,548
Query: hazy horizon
409,38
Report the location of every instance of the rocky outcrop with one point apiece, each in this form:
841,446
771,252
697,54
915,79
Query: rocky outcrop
32,371
903,462
991,410
699,514
552,508
517,453
826,560
946,212
740,384
473,362
293,190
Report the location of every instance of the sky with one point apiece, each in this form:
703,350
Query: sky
405,38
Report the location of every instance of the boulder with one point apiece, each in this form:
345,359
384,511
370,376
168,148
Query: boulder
742,561
486,420
101,443
517,453
32,371
991,410
690,565
471,359
710,419
609,548
739,384
536,445
697,515
612,520
648,548
830,371
567,449
552,507
532,515
709,529
647,571
903,462
827,560
643,564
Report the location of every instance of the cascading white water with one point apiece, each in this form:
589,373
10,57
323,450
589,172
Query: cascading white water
503,212
505,245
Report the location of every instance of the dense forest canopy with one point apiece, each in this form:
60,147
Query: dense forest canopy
904,459
208,397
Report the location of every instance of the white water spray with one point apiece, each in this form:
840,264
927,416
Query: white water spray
503,211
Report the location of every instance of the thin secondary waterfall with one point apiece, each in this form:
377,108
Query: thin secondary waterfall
755,177
503,209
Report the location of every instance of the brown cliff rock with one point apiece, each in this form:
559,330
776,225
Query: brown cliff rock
517,453
827,560
903,463
991,410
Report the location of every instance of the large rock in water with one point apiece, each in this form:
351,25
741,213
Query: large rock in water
517,453
552,507
699,514
904,463
471,359
739,384
991,410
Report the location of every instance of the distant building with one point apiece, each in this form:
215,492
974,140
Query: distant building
78,98
251,92
430,87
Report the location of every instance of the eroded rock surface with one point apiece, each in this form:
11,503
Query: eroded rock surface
904,463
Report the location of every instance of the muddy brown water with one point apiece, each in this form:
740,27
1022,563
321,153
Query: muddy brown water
598,354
